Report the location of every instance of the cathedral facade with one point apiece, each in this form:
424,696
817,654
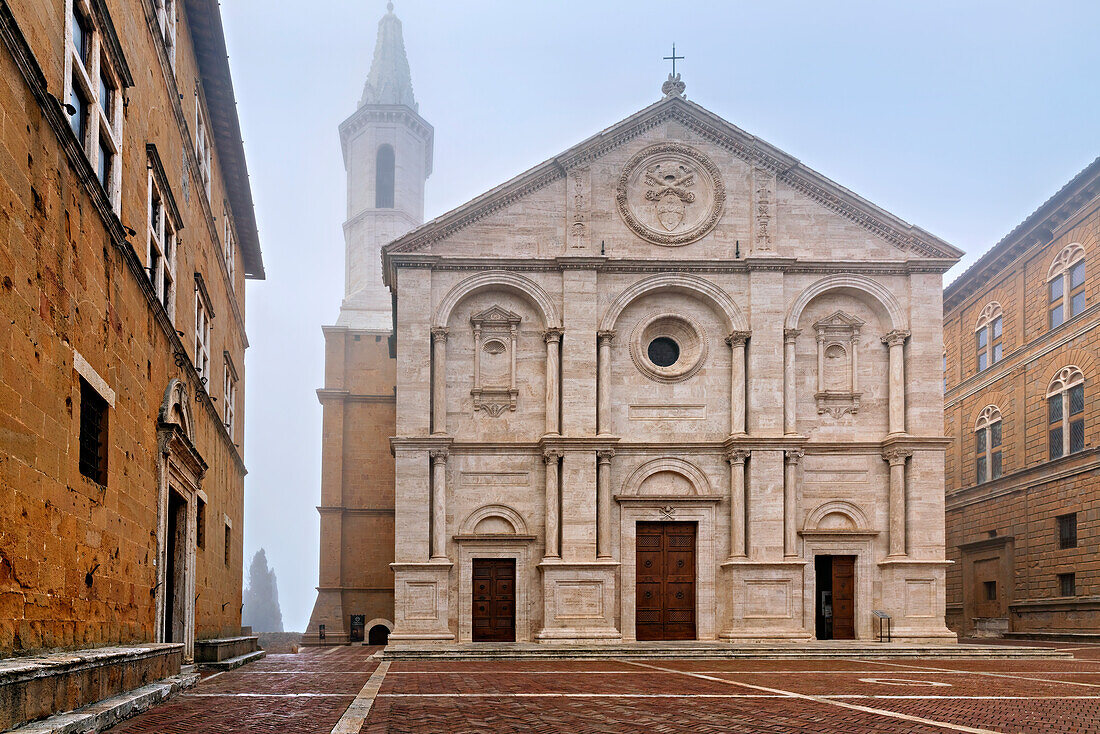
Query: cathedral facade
669,384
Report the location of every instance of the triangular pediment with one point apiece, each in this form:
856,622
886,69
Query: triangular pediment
495,315
698,121
840,320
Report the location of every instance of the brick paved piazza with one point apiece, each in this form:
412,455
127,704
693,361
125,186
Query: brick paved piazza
312,692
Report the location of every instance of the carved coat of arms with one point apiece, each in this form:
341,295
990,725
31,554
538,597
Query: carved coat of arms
671,194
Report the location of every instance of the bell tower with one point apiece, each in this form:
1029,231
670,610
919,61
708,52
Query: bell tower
387,149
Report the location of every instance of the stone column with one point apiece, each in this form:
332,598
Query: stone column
790,408
895,340
790,502
552,520
439,380
896,458
603,503
439,505
737,340
736,459
553,370
603,383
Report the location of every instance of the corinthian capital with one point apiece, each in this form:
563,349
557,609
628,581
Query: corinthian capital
896,456
895,337
439,456
439,333
738,338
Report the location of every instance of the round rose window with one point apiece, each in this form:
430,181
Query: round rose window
668,347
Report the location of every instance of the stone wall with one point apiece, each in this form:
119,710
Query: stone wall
1004,531
79,559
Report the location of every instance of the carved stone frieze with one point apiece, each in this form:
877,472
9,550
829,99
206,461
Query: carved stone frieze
670,194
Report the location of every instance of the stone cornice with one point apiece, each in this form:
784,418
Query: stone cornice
720,132
329,395
420,443
1038,229
605,442
1025,479
656,265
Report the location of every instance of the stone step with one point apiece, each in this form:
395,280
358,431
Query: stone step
107,713
801,651
235,662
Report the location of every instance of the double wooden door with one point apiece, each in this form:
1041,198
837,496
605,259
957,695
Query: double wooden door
665,593
494,613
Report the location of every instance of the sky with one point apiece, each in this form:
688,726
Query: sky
958,116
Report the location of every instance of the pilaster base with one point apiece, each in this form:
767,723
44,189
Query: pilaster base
765,600
328,610
422,601
579,601
914,595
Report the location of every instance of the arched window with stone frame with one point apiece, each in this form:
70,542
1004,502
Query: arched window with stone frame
1066,285
989,331
987,442
1066,412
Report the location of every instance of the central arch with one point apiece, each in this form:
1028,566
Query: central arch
849,282
681,282
502,280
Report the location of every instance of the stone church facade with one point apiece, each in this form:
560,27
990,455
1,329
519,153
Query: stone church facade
669,384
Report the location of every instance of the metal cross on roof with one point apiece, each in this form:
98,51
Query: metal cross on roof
673,58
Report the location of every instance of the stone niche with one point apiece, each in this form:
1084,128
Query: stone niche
495,334
838,364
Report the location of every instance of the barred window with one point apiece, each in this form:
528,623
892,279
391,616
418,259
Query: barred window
93,433
1067,530
1066,412
1067,584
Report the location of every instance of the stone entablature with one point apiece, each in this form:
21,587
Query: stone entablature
648,377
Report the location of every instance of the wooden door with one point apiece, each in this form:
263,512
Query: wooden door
494,614
665,593
844,597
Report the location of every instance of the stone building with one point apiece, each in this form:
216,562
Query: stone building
669,384
127,233
388,156
1021,338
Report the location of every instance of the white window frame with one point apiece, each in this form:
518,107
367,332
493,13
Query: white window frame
991,325
104,116
229,395
166,20
229,246
1067,378
161,240
1060,270
986,468
202,335
204,148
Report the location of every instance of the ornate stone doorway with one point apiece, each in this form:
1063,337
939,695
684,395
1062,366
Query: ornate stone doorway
665,587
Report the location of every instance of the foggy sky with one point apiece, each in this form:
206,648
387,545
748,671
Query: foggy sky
959,117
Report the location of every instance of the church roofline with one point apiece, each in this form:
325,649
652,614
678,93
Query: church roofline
787,168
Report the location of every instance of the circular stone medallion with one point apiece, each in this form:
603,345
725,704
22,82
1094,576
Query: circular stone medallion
670,194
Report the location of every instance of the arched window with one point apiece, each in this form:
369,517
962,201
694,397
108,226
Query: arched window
1066,284
383,177
1066,412
987,433
989,330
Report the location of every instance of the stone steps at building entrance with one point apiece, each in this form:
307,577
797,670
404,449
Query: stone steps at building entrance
708,650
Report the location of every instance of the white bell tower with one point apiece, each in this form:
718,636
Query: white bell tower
388,157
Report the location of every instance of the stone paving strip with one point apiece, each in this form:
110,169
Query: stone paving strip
832,702
352,720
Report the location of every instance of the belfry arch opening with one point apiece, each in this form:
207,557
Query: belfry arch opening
384,176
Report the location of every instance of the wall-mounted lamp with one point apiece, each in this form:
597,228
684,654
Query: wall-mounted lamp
69,109
88,579
737,249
